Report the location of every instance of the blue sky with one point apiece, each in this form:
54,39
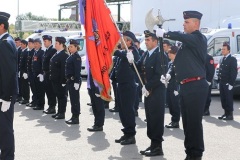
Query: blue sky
48,8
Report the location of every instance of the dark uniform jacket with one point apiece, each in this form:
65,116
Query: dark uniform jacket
46,58
57,67
19,51
29,60
112,73
37,62
209,68
172,82
152,68
23,61
191,56
73,68
228,70
8,68
124,71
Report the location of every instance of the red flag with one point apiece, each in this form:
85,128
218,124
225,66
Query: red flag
101,37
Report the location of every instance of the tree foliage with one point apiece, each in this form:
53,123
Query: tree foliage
30,16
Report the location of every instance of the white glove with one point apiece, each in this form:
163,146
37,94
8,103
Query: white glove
160,32
25,76
144,91
163,79
5,105
40,77
97,95
63,85
19,74
209,83
130,57
168,77
230,87
175,93
76,86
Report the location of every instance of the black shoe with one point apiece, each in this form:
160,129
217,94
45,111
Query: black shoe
32,105
143,152
115,109
145,120
53,116
193,158
172,125
206,113
227,118
221,117
73,120
95,129
28,104
50,110
38,108
24,102
19,99
128,140
60,116
89,104
154,152
120,139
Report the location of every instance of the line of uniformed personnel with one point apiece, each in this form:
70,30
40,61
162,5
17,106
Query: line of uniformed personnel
53,72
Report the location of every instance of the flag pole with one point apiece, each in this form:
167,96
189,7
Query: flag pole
125,45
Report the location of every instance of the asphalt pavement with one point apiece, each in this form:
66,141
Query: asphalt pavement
40,137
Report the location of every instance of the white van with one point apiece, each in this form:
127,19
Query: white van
215,39
53,33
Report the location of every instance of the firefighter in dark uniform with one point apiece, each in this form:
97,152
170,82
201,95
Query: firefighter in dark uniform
173,91
190,72
97,105
57,76
19,50
73,76
38,74
126,88
22,68
8,88
226,76
31,51
49,52
209,77
154,93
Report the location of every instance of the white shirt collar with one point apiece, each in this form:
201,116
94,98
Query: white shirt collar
151,51
3,35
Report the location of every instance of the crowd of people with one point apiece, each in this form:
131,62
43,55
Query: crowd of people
177,77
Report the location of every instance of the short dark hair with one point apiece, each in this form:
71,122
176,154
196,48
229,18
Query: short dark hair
226,44
6,24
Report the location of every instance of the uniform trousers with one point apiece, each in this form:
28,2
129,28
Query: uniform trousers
173,103
32,87
49,90
155,108
208,101
40,91
193,97
74,97
25,89
98,108
126,93
61,93
226,96
7,145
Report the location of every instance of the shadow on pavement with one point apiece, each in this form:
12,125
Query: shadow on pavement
98,140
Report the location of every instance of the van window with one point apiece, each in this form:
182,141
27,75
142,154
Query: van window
215,46
238,43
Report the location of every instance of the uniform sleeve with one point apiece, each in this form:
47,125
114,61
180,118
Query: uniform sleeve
209,69
63,62
119,53
191,40
77,69
8,70
233,71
